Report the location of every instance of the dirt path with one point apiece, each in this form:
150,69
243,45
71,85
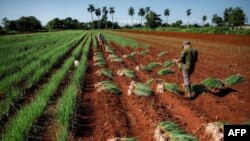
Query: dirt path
99,116
149,111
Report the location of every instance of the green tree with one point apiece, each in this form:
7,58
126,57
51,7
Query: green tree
91,9
217,20
177,23
234,17
98,14
147,10
30,23
104,16
112,11
167,13
188,12
204,18
141,13
153,20
131,12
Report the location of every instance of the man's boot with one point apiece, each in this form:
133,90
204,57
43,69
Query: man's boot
188,92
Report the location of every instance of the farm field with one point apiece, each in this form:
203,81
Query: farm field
44,96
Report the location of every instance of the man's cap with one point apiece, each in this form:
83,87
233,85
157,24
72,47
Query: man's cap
185,43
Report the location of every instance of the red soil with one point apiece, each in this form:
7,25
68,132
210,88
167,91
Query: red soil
215,59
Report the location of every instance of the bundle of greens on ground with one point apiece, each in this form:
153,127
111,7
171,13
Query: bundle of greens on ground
131,55
144,52
153,65
109,49
99,59
114,58
212,83
165,71
168,64
150,81
141,89
105,72
234,79
124,139
162,53
172,88
126,72
170,131
108,86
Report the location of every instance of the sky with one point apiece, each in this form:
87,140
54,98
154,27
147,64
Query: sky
46,10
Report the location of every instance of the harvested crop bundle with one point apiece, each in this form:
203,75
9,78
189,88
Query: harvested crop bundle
170,131
212,83
165,71
168,64
161,54
104,72
153,65
234,79
126,72
107,86
172,88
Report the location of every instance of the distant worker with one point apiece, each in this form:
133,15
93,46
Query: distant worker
187,61
101,41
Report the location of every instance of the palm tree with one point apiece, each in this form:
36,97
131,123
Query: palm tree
131,12
147,10
188,12
204,18
141,13
98,14
112,11
105,12
167,13
91,9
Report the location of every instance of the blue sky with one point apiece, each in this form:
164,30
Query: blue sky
46,10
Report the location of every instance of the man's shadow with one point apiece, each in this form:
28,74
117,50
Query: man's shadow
198,89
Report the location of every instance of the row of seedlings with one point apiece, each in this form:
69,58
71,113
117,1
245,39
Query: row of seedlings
67,103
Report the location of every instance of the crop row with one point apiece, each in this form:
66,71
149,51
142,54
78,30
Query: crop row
18,127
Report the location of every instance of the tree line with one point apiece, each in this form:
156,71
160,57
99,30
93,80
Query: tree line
232,18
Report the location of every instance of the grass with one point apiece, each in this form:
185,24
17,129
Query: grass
142,89
234,79
110,87
128,73
164,71
168,64
162,53
212,83
174,132
105,72
172,88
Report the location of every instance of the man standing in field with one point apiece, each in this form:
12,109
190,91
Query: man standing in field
101,41
187,61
